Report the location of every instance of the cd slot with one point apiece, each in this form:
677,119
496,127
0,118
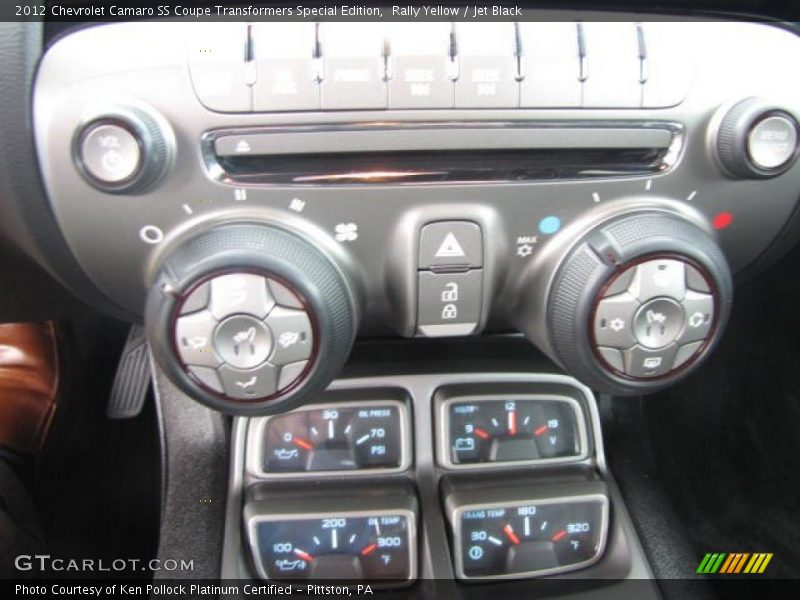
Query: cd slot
440,155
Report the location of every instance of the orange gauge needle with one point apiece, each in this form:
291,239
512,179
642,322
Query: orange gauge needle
511,535
540,430
559,535
369,549
481,433
303,554
300,442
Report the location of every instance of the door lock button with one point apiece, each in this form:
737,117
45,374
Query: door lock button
449,303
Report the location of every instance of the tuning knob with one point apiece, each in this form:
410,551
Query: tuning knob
636,302
250,318
757,140
123,150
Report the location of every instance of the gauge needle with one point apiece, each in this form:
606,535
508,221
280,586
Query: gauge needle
481,433
512,422
303,444
511,535
303,554
540,430
559,535
369,549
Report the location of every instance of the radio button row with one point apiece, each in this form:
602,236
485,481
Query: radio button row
551,66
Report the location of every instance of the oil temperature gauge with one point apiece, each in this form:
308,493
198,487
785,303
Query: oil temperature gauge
481,432
352,536
528,538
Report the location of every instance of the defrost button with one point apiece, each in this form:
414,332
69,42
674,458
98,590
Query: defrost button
193,336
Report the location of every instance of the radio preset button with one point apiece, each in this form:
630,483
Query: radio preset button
218,68
613,67
551,65
448,243
487,71
354,66
420,66
449,303
285,66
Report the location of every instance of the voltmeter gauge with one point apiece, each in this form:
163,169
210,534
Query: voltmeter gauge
528,538
331,439
479,432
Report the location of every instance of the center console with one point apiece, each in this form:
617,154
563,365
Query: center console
262,195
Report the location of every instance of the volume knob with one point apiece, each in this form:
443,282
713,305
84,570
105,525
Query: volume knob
123,150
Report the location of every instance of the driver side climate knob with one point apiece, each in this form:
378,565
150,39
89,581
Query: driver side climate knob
251,319
637,302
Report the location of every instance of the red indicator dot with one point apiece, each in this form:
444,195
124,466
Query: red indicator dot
559,535
369,549
722,220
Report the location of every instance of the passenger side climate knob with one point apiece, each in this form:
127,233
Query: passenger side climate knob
757,140
637,302
251,319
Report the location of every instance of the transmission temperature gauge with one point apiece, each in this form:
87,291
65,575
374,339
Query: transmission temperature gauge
511,539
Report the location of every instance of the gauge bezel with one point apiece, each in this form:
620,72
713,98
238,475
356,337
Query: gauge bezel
443,431
455,526
256,443
411,527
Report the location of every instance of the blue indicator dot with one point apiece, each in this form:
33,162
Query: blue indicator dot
549,225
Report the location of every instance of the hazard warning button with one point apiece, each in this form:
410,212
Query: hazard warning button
451,244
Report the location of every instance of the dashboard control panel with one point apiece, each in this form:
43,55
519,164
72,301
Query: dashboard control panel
421,180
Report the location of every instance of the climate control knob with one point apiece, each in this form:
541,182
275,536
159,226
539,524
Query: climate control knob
251,318
637,301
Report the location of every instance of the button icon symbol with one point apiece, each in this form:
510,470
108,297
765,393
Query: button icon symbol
450,248
112,161
651,362
658,319
247,384
449,311
249,336
697,319
242,147
617,324
297,205
346,232
524,250
198,342
450,292
288,338
240,195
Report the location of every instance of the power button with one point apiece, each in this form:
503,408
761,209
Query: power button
110,153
